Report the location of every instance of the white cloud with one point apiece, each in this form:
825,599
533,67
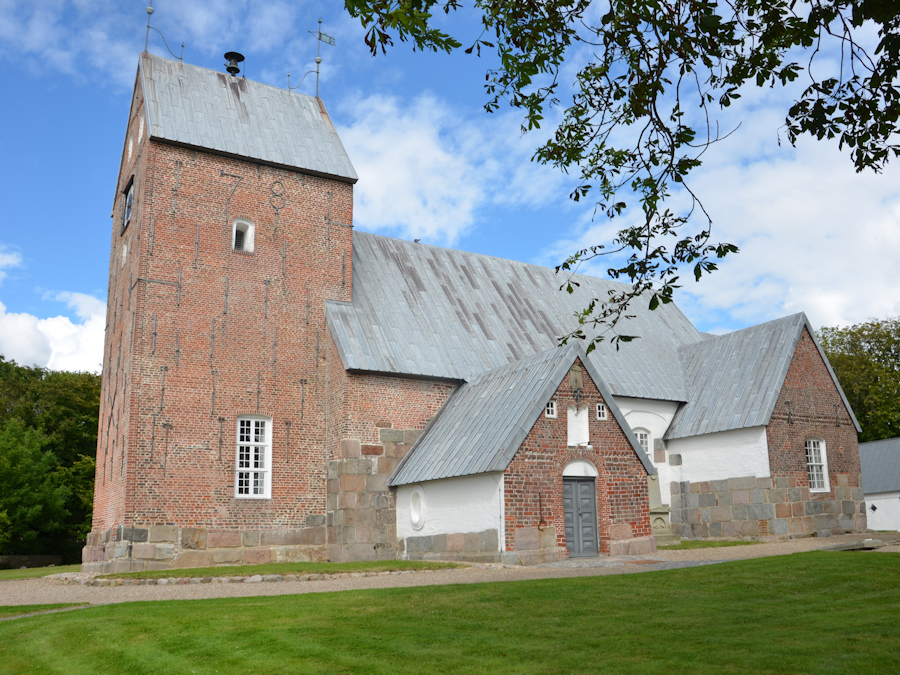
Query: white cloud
814,235
57,342
67,36
22,340
426,170
8,259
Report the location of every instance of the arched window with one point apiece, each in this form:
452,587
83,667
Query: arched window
242,236
578,428
817,465
253,462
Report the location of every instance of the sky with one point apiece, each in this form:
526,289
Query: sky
814,235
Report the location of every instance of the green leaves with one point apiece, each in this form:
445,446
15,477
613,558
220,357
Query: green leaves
624,134
866,361
31,496
57,414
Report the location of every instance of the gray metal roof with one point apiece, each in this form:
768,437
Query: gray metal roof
201,108
880,463
427,311
733,381
480,427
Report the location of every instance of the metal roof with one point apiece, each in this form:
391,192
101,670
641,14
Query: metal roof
426,311
201,108
480,427
733,381
880,463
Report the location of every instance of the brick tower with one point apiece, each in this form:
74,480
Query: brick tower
231,227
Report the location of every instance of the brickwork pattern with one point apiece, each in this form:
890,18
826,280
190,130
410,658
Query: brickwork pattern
767,508
199,334
809,406
533,482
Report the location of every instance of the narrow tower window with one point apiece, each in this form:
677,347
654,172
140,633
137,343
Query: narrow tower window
128,207
242,236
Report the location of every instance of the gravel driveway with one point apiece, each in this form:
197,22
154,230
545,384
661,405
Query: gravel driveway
45,591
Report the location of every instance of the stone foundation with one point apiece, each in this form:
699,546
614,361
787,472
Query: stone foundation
764,508
362,511
135,549
462,546
636,546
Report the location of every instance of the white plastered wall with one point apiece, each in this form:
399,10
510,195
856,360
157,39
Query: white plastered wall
655,417
453,505
724,454
886,515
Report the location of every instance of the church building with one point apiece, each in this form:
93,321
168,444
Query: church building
279,387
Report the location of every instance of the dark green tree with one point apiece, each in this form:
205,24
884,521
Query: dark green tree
642,69
866,360
65,407
32,496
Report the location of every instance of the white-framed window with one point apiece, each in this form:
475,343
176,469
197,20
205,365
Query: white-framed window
242,236
601,411
128,207
643,437
817,465
253,460
550,410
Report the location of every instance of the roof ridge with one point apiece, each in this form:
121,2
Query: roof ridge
218,72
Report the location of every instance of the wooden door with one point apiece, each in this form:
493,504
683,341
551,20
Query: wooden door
580,509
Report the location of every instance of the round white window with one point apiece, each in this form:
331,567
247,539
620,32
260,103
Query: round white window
417,508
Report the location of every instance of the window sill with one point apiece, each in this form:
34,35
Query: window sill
247,253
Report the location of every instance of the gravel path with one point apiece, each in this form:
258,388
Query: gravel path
45,591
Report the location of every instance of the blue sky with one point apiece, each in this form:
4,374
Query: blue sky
814,235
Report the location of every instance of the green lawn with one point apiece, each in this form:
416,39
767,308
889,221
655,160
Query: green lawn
15,610
299,569
686,545
816,612
32,572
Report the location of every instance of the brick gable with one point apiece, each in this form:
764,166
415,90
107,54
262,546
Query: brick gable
533,482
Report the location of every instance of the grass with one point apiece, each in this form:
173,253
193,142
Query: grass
16,610
688,545
815,612
299,569
34,572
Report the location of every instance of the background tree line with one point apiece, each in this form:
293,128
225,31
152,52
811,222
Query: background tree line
866,360
48,444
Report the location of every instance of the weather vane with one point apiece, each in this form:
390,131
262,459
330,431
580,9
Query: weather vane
320,37
149,28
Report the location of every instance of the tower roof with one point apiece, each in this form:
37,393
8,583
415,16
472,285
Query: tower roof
200,108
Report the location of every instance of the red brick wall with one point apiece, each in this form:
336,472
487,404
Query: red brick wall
537,469
812,395
195,487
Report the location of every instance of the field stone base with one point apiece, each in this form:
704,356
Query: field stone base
168,547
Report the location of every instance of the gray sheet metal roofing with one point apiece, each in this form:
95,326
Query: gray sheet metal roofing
733,380
880,463
426,311
197,107
480,427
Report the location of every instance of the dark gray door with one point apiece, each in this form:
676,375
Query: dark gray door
580,509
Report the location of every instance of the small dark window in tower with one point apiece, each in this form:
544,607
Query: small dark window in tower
242,236
129,203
